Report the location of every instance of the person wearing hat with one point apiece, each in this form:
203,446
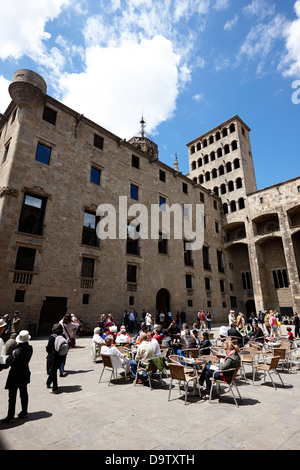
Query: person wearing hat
18,377
16,323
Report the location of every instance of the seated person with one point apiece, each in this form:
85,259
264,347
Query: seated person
105,333
290,335
174,330
158,335
205,344
154,342
123,337
117,358
184,328
195,335
223,332
186,341
257,334
236,334
96,337
144,352
231,361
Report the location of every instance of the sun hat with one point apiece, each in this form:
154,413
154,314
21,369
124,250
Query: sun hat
2,323
23,337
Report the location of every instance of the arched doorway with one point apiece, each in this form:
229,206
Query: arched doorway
163,300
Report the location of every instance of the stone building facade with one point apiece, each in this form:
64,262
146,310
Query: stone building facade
57,167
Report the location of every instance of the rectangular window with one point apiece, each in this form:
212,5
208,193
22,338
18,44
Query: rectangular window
98,141
132,243
280,279
95,176
162,202
49,115
87,267
188,281
25,259
188,260
201,197
32,214
85,299
221,268
131,300
43,154
217,227
134,192
162,176
185,188
135,161
190,302
19,295
247,280
89,235
205,254
207,283
222,285
131,273
6,150
162,244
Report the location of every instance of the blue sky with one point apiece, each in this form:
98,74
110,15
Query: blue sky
187,65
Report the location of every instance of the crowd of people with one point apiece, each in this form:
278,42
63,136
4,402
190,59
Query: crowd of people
148,337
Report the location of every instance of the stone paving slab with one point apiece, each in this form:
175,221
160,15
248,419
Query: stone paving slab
86,415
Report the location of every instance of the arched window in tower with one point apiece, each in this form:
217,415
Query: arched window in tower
204,143
221,170
236,163
198,146
228,167
241,203
192,149
239,183
193,166
201,179
234,145
206,160
233,206
224,132
223,188
211,139
218,136
216,190
214,173
207,176
195,179
199,162
219,152
226,149
232,128
225,208
212,156
230,186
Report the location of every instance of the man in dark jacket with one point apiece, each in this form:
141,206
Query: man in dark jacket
18,376
234,333
186,341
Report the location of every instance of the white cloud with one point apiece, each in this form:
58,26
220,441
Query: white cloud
120,83
22,26
291,63
5,99
198,97
259,8
230,24
222,5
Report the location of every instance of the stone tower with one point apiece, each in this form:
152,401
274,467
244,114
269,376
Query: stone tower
142,142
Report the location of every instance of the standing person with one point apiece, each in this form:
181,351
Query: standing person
208,319
231,317
7,330
54,359
296,323
202,321
182,317
68,327
240,321
149,322
131,321
267,322
18,377
2,342
273,324
16,323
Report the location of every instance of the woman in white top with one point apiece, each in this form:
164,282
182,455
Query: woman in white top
117,358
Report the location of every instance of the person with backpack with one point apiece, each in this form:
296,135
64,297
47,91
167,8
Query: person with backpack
57,349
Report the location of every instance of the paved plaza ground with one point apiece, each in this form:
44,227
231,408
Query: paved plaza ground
87,415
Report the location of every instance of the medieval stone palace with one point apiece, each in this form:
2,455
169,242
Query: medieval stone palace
57,167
